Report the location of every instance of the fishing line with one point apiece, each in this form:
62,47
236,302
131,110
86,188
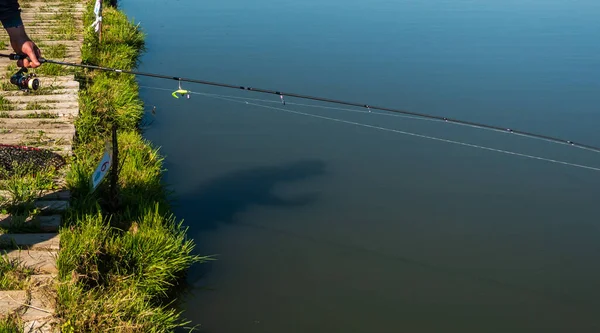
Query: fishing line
374,113
414,134
307,97
301,104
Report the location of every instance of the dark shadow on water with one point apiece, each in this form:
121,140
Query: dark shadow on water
221,199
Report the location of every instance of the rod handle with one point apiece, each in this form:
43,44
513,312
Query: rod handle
14,56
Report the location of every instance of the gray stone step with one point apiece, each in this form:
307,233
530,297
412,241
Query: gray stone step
56,195
48,93
31,241
48,16
41,4
46,194
49,105
11,134
47,125
40,307
41,99
70,44
46,325
65,114
49,140
45,83
42,280
46,33
63,80
47,206
12,300
41,261
44,223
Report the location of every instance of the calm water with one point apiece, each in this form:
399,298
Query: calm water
326,226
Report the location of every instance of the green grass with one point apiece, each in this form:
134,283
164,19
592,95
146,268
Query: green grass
55,51
10,70
7,86
48,90
22,223
36,106
33,115
11,324
13,275
25,182
112,310
122,41
119,270
5,104
108,99
45,115
65,29
52,70
148,256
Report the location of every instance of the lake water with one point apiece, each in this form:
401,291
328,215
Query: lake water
320,224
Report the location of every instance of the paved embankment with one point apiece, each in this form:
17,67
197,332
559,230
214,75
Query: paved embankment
43,119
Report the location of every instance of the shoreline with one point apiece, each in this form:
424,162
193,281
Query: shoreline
121,261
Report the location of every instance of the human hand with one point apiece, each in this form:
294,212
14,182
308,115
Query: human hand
22,44
33,53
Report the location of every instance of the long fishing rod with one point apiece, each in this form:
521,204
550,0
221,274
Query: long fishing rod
27,82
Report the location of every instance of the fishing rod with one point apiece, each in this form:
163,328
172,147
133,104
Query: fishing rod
29,82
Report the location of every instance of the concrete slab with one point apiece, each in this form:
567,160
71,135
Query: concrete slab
48,325
31,241
42,261
43,223
11,301
52,205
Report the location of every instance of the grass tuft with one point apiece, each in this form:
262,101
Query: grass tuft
53,70
65,29
5,104
55,51
13,275
36,106
25,182
11,324
117,309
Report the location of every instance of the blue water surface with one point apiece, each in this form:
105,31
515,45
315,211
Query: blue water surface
320,224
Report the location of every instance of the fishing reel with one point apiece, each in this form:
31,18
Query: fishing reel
25,81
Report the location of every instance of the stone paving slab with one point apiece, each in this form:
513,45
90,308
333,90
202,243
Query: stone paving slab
45,241
41,261
12,300
42,223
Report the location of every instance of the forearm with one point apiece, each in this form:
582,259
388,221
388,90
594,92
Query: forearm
18,37
10,16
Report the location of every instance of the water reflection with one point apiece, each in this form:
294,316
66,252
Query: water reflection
222,198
